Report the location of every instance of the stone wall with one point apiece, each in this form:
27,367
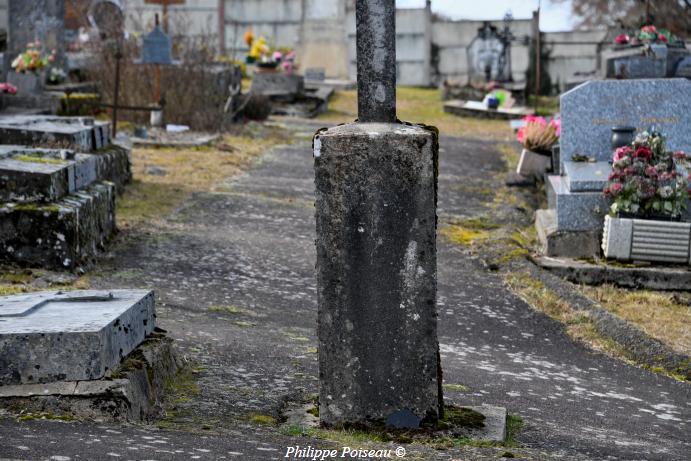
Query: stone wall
430,49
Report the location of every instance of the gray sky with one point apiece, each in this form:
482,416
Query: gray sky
553,17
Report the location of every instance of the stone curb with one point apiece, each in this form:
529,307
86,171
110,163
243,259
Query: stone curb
638,345
653,278
134,396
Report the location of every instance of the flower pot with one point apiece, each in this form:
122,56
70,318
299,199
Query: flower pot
27,83
647,240
533,164
622,136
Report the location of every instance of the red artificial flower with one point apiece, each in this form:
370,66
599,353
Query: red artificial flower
615,188
661,37
622,39
649,29
643,152
679,155
651,172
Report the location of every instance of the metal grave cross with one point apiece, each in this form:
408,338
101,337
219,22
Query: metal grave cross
376,60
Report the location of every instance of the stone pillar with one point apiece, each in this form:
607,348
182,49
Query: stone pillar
376,253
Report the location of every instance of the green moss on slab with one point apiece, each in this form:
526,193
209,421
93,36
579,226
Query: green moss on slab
262,420
456,387
38,159
37,207
462,417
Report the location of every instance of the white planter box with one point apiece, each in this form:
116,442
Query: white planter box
647,240
532,164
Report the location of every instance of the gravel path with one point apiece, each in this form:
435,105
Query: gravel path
252,248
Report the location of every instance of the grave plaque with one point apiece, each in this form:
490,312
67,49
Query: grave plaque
76,336
589,111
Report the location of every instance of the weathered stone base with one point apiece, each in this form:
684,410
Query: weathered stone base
572,244
637,277
376,273
133,392
61,235
114,164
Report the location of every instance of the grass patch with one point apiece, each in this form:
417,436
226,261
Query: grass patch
468,232
243,324
150,197
579,325
660,315
46,416
226,310
262,420
420,105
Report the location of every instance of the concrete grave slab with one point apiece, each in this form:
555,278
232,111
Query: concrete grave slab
589,111
586,176
44,175
81,133
60,235
53,336
575,211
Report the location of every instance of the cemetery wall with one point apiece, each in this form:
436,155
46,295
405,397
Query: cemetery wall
452,38
195,17
573,52
413,51
429,49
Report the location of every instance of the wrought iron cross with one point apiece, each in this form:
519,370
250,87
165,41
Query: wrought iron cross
376,60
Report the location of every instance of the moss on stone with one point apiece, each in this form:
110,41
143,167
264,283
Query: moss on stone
226,309
262,420
456,387
38,159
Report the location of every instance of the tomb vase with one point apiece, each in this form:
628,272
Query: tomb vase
27,83
534,164
622,136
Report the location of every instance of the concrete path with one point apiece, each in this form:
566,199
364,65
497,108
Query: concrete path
252,248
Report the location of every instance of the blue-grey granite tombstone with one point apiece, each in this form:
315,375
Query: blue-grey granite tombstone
589,111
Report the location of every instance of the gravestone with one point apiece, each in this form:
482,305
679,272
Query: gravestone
76,336
28,21
589,111
487,59
82,133
376,250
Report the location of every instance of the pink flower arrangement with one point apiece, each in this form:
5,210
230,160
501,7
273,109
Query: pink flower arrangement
8,88
538,135
644,180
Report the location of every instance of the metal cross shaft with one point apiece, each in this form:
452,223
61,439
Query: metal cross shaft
376,60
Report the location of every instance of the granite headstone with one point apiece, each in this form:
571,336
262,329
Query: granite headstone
589,111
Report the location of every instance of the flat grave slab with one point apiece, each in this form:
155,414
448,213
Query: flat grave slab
478,109
586,176
43,175
75,336
589,111
81,133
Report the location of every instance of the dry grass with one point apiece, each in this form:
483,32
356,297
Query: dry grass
659,315
579,325
151,197
421,105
